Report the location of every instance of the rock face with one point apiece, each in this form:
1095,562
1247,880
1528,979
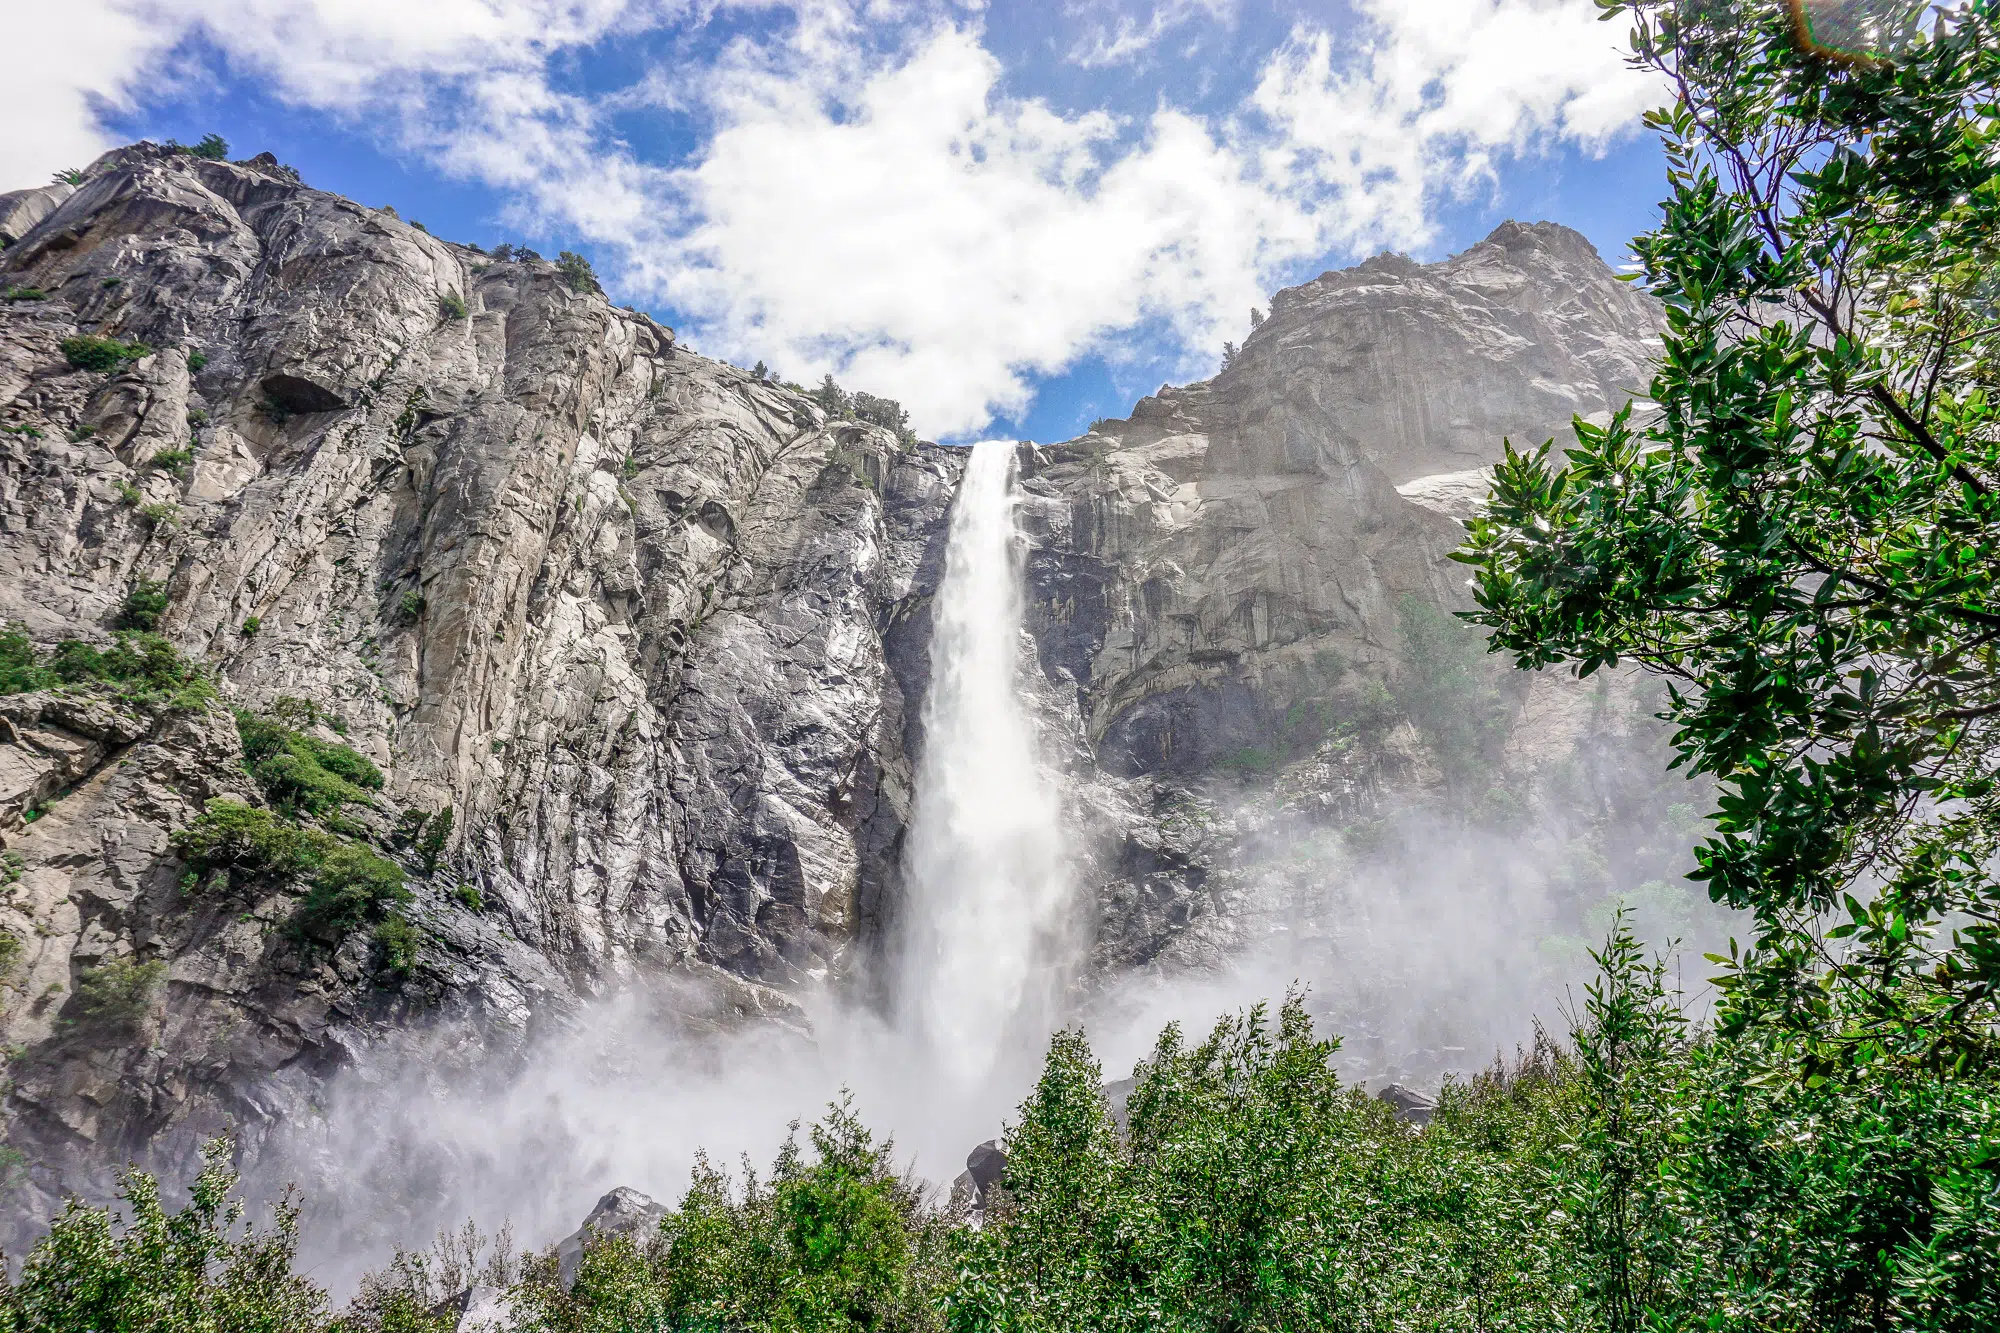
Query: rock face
1218,579
648,625
655,630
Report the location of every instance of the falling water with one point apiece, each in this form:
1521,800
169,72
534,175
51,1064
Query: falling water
987,883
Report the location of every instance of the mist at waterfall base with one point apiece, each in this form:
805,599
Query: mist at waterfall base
1430,951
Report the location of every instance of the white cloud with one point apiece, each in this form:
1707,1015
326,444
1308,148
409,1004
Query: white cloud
1114,35
67,61
870,200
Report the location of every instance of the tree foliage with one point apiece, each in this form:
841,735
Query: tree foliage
1804,537
199,1270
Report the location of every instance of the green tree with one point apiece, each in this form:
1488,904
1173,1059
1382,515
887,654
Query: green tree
1805,538
153,1272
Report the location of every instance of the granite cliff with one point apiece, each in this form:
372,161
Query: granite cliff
653,629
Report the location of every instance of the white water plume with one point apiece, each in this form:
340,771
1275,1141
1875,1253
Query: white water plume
987,883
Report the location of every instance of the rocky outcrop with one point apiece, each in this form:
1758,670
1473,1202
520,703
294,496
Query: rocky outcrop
647,624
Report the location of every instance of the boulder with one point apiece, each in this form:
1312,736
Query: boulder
623,1212
1411,1107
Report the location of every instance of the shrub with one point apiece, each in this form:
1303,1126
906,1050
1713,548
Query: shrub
196,361
256,844
11,947
211,148
175,461
1448,688
81,433
834,1241
412,605
12,866
129,494
452,306
146,667
88,352
576,272
302,773
161,514
109,283
144,604
26,294
20,669
351,885
470,897
251,625
118,992
67,176
399,939
150,1272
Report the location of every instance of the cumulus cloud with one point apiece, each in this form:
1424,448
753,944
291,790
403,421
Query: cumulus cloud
868,198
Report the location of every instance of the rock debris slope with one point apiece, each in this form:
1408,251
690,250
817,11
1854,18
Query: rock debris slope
655,631
648,626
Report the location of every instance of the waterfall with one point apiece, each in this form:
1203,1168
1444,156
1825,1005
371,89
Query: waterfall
986,883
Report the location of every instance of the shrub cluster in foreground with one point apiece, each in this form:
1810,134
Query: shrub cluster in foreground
1642,1175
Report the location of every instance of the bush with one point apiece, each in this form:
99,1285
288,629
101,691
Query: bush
87,352
25,294
1448,688
118,993
211,148
175,461
146,667
576,272
412,605
20,669
350,886
399,940
452,306
301,773
161,514
251,625
251,843
196,361
144,604
151,1272
837,1241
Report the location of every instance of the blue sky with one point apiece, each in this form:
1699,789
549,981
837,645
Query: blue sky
1013,216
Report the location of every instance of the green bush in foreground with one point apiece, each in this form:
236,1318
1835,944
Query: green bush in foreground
1641,1177
143,1270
